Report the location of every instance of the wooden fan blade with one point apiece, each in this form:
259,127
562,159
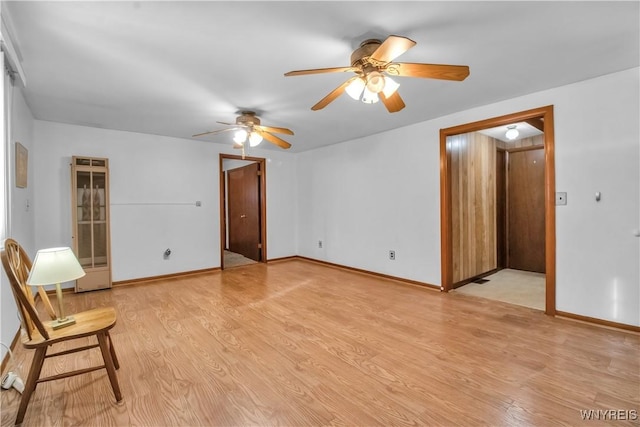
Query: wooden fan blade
391,48
319,71
275,140
213,132
394,103
273,129
429,71
332,95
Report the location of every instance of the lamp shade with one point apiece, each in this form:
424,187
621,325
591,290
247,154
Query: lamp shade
369,97
375,81
240,136
54,265
390,86
355,88
254,139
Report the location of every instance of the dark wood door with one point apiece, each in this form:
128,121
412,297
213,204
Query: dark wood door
501,209
243,197
526,239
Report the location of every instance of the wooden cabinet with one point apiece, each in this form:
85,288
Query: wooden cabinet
90,216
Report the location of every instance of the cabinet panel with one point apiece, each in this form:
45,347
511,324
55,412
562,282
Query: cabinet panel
90,207
94,280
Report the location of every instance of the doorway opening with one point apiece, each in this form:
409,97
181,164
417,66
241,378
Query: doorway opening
487,229
243,225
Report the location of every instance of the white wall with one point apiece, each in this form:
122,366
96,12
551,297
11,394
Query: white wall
368,196
155,182
21,227
22,213
598,149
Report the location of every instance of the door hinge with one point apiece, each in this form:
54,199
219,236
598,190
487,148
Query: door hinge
259,245
259,173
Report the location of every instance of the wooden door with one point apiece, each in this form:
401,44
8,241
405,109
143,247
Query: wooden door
501,208
526,210
244,211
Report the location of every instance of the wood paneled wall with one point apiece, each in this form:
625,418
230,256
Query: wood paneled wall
473,204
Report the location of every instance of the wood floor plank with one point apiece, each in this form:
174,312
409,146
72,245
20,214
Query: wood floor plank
297,343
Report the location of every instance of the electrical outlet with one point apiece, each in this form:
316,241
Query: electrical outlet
392,255
320,244
561,199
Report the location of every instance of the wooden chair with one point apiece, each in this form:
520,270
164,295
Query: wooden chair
40,336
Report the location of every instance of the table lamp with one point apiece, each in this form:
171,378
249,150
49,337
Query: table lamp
55,266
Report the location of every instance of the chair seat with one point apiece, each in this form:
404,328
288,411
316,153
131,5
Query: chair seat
88,323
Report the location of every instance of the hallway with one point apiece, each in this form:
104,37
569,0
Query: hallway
518,287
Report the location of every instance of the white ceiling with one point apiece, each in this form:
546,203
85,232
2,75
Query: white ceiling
175,68
525,130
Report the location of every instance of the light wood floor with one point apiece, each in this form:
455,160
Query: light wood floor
295,343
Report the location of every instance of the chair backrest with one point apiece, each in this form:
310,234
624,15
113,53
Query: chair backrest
17,265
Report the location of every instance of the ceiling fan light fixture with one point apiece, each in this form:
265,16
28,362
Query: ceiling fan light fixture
247,123
390,86
355,88
240,136
372,62
512,133
375,81
369,97
254,139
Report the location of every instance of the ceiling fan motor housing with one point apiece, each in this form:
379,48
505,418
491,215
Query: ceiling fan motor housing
248,118
360,56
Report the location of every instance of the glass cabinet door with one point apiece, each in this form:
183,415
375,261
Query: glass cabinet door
98,216
92,218
84,222
90,193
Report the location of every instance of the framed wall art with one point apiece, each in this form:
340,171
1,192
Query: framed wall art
22,157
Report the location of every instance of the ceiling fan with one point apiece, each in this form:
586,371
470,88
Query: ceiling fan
248,128
372,63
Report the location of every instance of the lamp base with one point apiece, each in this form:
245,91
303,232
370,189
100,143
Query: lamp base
61,323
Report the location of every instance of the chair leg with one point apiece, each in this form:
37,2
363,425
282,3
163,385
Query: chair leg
112,349
108,362
32,378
